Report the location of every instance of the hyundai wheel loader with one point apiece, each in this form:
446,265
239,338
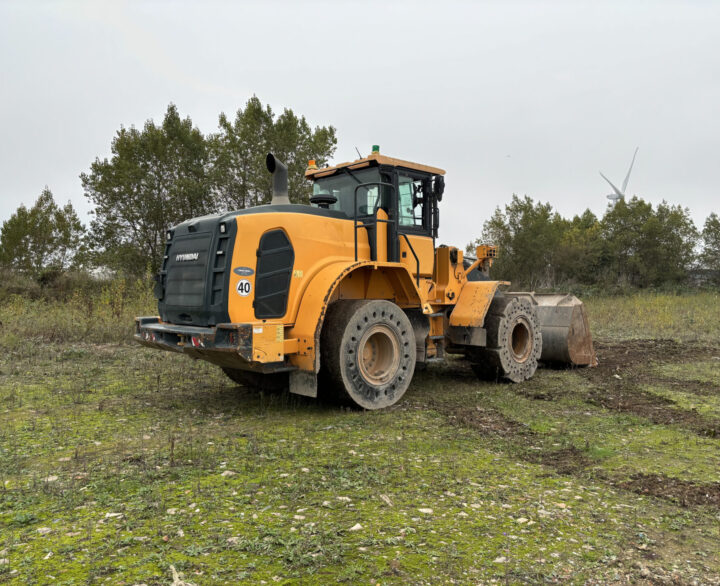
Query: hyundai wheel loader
345,297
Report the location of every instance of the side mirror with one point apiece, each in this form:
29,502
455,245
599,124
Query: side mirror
439,187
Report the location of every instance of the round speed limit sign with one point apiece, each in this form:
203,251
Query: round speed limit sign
244,287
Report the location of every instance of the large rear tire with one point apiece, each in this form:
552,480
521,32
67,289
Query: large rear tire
269,383
367,352
514,341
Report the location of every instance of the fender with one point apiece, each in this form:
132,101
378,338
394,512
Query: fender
473,303
347,280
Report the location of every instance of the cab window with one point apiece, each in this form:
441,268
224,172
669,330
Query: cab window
342,185
410,201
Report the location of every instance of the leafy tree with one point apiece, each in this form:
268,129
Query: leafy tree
155,178
163,174
43,237
710,255
579,256
647,247
238,150
527,235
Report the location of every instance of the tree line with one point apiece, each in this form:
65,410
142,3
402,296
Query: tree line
160,175
167,172
633,245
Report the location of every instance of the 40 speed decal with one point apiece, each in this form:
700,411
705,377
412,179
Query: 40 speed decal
244,287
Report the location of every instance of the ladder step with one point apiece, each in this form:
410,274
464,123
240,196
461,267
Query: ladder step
437,337
438,314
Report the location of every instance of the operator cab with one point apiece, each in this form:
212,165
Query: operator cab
407,192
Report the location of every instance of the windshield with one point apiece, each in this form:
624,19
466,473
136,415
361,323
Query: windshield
342,185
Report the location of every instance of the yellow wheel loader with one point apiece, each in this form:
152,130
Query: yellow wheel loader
345,297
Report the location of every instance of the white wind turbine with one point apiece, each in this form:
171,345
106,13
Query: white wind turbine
620,193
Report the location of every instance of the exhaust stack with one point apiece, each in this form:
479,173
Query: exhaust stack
280,179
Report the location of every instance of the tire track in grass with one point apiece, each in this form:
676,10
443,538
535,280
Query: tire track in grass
624,367
572,461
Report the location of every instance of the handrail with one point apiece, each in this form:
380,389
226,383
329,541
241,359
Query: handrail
417,260
376,220
355,210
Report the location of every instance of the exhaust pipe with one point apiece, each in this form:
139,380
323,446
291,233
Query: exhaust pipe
280,179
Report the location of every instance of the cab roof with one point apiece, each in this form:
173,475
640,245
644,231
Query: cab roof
372,160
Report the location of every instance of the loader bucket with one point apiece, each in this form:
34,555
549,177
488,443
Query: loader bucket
565,329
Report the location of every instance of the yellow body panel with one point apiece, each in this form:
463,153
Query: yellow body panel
268,342
317,242
449,276
346,280
425,251
473,303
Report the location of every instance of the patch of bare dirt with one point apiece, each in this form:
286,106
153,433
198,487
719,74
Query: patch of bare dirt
564,461
487,421
688,386
683,492
628,353
627,399
620,372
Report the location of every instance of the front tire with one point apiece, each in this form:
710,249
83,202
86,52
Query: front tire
367,352
514,341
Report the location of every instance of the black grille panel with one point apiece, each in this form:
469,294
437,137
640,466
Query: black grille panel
193,283
273,272
185,283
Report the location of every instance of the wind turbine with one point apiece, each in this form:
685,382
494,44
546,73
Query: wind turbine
620,193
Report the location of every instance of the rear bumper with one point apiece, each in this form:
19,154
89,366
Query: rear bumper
244,346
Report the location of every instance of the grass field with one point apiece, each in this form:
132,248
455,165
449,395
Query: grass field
119,464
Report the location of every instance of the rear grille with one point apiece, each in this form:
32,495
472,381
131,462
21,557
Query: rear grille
194,279
274,269
186,270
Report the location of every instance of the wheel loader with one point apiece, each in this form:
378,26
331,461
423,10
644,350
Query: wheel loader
347,296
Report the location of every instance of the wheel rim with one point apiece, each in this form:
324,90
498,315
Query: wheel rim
378,355
521,340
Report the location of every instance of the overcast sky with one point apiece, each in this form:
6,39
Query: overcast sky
508,97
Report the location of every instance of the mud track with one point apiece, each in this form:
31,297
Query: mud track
486,421
623,369
630,361
683,492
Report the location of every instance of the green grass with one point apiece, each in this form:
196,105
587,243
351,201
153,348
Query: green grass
687,317
118,462
106,316
616,442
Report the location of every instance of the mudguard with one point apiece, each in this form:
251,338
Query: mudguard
320,292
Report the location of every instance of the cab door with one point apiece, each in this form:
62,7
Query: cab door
414,219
